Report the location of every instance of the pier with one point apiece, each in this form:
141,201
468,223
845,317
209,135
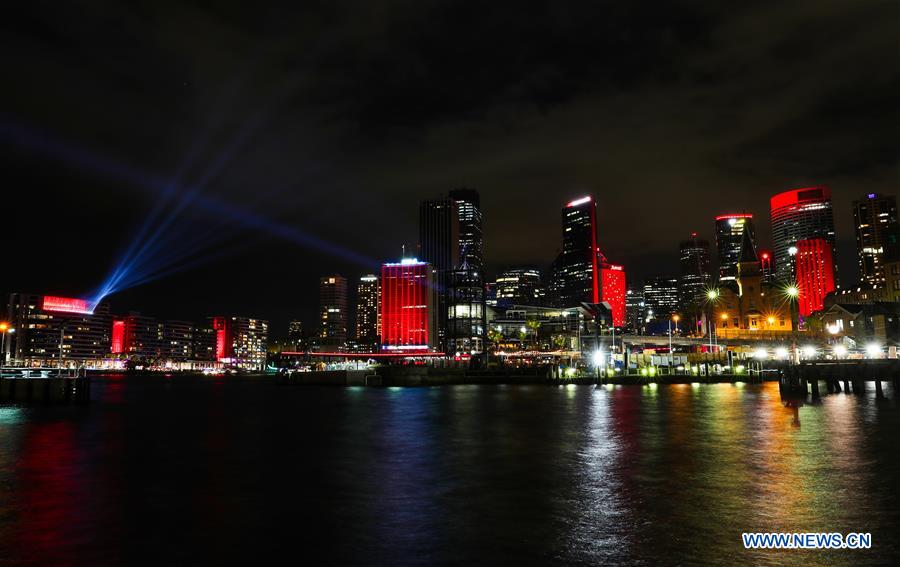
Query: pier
839,376
43,386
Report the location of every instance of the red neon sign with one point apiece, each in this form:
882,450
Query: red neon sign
735,216
67,305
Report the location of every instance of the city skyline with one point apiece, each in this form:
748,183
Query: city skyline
301,171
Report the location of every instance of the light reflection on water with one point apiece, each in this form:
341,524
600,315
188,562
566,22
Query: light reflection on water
190,470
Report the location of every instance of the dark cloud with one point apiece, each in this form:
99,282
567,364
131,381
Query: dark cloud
341,116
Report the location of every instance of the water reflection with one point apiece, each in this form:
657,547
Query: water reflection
162,470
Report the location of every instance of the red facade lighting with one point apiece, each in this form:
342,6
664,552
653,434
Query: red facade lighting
735,216
815,274
797,196
613,280
406,305
223,345
67,305
117,344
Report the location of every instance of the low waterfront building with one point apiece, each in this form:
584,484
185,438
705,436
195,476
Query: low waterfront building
864,323
748,306
241,342
53,331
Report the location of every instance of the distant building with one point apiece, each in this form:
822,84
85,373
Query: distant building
333,321
696,277
368,319
52,329
241,341
815,274
439,242
730,231
408,299
660,297
296,338
799,214
490,294
634,309
519,286
875,219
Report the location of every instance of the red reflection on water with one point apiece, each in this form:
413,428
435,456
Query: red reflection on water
46,504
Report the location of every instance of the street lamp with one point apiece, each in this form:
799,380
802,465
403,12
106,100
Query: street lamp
4,328
676,318
597,359
873,350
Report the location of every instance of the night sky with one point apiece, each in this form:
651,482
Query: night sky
274,144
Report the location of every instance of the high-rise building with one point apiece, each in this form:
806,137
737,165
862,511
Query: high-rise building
799,214
875,218
519,286
576,270
468,206
241,341
466,305
696,277
815,274
729,238
332,313
439,247
408,299
368,319
612,290
661,297
52,329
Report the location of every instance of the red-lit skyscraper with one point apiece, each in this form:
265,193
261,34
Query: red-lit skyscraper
799,214
612,291
815,274
408,306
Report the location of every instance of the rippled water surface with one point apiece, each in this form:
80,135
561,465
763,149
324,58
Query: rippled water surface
194,470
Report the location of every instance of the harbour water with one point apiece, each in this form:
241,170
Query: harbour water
189,470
